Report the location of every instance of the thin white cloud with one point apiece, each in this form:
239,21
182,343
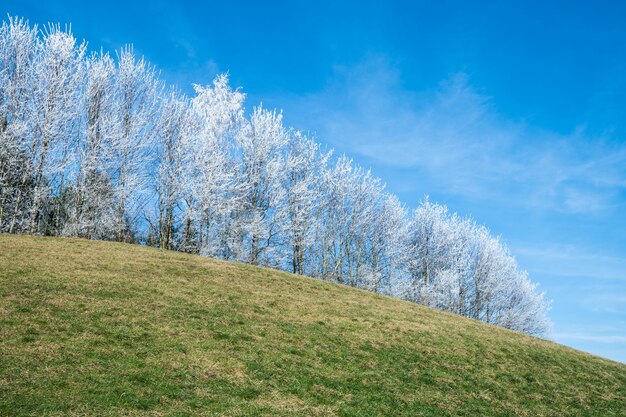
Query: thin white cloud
590,337
453,138
570,261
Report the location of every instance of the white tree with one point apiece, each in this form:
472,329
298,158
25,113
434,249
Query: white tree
458,266
261,144
56,71
330,233
18,53
302,182
350,212
389,240
93,213
135,106
211,188
169,178
427,243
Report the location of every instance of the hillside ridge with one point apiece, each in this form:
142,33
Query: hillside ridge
102,328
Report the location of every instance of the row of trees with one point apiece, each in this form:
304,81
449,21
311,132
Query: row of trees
98,147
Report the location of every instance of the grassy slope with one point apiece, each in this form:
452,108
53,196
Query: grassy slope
102,328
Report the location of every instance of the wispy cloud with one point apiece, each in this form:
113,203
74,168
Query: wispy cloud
590,337
571,261
452,137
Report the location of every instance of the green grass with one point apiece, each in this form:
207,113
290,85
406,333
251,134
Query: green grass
98,328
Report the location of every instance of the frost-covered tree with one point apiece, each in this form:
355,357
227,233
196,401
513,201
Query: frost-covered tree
332,221
427,243
211,189
136,90
302,183
59,72
19,47
173,125
387,255
41,78
456,265
93,213
349,215
261,144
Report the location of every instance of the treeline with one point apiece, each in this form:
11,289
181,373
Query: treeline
97,146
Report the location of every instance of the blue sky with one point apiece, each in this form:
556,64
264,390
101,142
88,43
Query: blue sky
511,112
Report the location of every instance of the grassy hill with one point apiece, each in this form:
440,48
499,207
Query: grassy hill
99,328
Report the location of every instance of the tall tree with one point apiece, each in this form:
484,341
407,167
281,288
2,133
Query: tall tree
59,71
93,213
302,182
212,190
261,143
168,182
19,48
135,107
